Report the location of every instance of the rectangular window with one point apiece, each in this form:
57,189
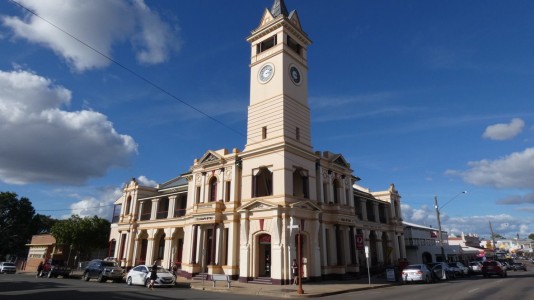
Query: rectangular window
265,45
197,195
264,132
293,44
297,133
227,191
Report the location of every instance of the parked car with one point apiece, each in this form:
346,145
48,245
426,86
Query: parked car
519,266
103,270
459,268
493,267
54,268
475,267
417,272
442,270
140,275
7,267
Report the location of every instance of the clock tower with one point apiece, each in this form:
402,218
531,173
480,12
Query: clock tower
278,113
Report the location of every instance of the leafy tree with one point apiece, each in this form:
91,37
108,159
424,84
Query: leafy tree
16,216
82,234
531,236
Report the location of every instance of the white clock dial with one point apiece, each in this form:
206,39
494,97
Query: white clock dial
266,73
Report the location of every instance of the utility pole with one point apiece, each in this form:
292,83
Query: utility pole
439,228
493,239
436,206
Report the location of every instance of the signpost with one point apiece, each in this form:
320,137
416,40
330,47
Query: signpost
367,261
299,255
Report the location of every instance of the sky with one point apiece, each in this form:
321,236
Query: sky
436,97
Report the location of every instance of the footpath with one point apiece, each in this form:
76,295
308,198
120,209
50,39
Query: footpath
311,289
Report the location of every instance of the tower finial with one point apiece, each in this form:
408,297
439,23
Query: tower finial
279,8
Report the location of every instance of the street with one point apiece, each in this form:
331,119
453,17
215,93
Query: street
518,285
27,287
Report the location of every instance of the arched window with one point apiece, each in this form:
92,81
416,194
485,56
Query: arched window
127,206
262,182
213,189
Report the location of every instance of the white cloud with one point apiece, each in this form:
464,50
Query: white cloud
501,132
101,205
503,224
513,171
144,181
98,23
43,143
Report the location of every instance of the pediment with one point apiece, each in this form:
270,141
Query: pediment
210,157
294,19
340,160
257,205
306,205
266,18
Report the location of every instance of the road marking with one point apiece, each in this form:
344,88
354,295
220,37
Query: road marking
473,290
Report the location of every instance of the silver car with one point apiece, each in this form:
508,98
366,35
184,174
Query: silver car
416,272
7,267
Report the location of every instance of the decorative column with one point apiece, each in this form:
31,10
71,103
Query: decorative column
154,211
172,206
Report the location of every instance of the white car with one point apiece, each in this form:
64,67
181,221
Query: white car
140,275
417,272
7,267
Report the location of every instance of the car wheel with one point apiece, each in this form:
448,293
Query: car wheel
101,278
427,280
129,281
86,276
49,275
147,282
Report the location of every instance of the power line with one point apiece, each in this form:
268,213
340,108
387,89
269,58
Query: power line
139,76
70,209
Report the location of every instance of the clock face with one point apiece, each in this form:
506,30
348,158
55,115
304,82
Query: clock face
266,73
294,73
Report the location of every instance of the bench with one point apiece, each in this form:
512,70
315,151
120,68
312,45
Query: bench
220,277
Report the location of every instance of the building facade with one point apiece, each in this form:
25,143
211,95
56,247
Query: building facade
244,213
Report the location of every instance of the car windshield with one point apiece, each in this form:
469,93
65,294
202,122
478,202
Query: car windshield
108,264
9,264
418,267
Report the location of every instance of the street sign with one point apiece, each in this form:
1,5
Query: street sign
359,241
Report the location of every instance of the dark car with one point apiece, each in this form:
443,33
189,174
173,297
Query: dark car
442,270
54,268
103,270
493,267
519,266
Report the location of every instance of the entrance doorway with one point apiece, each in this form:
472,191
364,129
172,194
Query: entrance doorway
264,255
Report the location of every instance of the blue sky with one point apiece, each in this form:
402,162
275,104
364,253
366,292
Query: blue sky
433,96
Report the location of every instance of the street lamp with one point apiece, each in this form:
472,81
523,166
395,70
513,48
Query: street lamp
436,206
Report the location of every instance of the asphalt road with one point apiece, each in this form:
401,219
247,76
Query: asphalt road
518,285
27,287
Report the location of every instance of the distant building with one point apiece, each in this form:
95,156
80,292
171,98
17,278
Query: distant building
42,248
423,246
244,213
469,244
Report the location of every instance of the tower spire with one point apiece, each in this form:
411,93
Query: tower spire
279,8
